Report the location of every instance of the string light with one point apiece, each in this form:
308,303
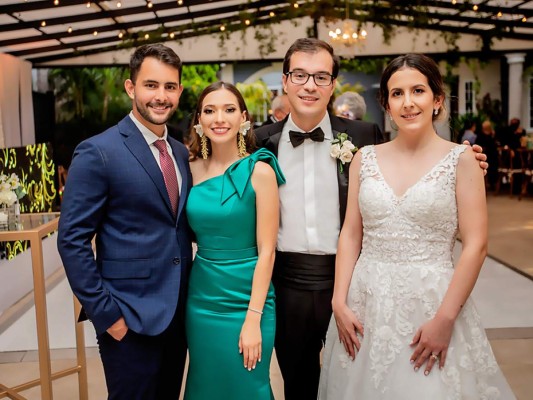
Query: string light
43,24
524,19
272,14
56,2
88,4
222,28
119,4
296,5
95,33
120,35
247,22
149,4
475,7
499,15
180,2
454,1
171,35
146,36
69,30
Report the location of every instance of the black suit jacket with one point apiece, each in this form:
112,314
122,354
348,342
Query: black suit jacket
360,133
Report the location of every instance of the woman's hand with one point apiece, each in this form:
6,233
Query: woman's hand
432,340
480,156
348,326
250,341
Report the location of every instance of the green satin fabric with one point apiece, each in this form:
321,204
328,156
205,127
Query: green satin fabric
222,213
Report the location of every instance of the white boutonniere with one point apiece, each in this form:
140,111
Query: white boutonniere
342,149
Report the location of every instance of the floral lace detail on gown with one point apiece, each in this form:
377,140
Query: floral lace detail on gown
399,281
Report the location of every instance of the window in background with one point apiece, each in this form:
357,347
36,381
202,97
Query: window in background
470,97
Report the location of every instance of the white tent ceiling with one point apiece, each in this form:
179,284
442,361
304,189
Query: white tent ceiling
81,31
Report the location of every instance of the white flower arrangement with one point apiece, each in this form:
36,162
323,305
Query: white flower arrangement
11,189
342,149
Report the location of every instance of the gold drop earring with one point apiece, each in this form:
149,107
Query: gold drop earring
203,140
241,144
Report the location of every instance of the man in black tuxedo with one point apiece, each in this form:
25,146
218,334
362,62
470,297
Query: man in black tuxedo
313,204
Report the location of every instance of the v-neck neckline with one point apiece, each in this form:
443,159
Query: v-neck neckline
421,179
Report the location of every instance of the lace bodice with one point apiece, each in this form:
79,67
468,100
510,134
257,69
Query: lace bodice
420,225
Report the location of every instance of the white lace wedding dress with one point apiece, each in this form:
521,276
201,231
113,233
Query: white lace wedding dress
398,284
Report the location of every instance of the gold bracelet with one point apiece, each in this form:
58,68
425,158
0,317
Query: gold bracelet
255,311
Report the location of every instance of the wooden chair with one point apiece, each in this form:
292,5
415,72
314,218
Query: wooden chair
526,157
508,167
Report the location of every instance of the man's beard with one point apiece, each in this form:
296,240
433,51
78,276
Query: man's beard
145,112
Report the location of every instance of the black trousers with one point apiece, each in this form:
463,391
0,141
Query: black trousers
141,367
304,288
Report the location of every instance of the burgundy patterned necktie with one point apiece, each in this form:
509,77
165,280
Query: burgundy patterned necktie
169,173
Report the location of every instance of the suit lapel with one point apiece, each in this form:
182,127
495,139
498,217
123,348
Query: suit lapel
339,126
274,135
136,143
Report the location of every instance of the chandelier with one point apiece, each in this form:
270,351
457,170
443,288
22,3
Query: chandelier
347,35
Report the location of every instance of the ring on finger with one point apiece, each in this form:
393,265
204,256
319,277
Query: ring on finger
434,357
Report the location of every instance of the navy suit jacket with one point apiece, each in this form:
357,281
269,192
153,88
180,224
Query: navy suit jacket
115,190
360,133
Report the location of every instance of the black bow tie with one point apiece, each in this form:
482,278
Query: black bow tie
297,138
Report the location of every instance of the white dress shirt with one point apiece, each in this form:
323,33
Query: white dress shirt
150,138
309,201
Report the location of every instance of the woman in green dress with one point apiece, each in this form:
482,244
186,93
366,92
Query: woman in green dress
233,209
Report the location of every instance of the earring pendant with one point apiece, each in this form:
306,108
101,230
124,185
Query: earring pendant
203,147
241,144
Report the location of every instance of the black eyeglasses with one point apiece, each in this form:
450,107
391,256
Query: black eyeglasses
301,78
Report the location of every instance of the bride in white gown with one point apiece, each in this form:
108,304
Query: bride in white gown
403,325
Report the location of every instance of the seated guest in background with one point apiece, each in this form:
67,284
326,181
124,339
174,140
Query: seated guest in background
513,134
469,132
350,105
486,140
280,109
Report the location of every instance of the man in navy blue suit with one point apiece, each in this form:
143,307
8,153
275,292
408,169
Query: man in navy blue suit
128,187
